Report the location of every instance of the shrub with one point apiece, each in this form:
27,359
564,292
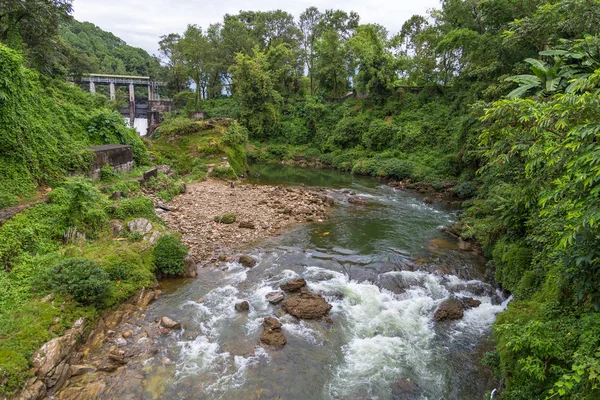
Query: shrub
224,172
379,135
80,278
465,189
512,261
226,218
169,255
107,173
135,207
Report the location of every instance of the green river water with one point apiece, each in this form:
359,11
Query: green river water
384,267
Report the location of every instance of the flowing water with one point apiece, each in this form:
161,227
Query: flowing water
384,267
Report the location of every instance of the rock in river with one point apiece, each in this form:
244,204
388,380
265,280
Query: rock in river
247,261
306,305
449,309
242,306
275,297
272,334
294,285
168,323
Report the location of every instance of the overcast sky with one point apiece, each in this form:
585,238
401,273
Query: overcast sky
141,23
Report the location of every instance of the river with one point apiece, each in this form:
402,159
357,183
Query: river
384,267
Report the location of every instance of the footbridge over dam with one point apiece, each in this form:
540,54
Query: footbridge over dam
151,107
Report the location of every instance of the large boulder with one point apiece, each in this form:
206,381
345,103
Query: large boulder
449,309
306,305
294,285
272,335
247,261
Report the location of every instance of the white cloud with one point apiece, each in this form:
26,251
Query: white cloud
141,23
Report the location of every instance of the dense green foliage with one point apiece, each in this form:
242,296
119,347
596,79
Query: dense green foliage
102,52
196,149
81,278
46,128
64,247
499,97
169,255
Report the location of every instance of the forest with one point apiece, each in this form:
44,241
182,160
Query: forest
497,98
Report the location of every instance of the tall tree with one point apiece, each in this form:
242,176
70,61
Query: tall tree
309,25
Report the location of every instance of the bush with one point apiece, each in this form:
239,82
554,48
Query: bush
223,172
169,255
465,189
136,207
80,278
379,136
107,173
226,218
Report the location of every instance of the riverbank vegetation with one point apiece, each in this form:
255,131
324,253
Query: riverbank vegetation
498,97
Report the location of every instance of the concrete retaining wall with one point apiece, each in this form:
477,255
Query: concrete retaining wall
118,156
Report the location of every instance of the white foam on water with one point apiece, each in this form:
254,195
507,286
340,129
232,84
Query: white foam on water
302,330
388,335
237,273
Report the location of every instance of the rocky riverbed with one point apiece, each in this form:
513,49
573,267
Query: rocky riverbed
259,211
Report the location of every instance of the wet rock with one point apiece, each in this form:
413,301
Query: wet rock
449,309
247,261
117,358
306,305
294,285
140,225
465,245
93,390
121,342
189,267
470,302
166,361
145,297
242,306
358,201
247,225
428,200
81,369
404,389
127,334
275,297
168,323
328,201
272,335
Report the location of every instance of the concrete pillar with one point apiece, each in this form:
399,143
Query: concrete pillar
111,90
92,87
150,93
131,104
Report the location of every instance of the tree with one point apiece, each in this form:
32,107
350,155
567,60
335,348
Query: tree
253,88
33,26
376,65
309,25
